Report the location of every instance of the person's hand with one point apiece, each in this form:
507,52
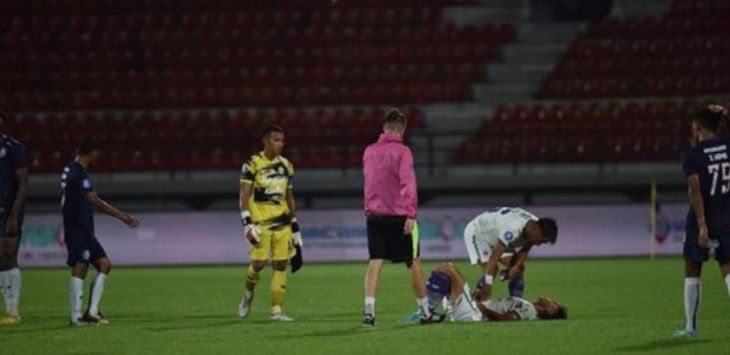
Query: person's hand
513,272
252,233
483,294
11,227
704,238
296,233
130,220
408,226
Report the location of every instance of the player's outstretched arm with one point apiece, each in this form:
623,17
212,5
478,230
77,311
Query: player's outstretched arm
105,207
496,316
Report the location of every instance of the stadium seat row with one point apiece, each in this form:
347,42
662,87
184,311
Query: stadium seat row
218,139
579,132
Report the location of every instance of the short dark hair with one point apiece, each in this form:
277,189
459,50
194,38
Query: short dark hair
88,145
549,229
271,129
395,117
560,313
711,117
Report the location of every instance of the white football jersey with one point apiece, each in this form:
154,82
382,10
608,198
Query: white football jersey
524,309
503,224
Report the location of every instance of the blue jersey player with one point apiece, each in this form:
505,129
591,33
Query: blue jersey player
13,190
707,167
78,200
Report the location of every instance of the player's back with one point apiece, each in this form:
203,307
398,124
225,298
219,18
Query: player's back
503,223
710,160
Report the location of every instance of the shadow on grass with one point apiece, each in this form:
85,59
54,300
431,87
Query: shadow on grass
664,344
354,330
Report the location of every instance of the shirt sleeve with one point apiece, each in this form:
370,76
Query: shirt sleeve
86,184
408,190
248,172
689,164
506,237
19,157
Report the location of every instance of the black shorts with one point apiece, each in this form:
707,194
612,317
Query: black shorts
387,241
84,251
694,252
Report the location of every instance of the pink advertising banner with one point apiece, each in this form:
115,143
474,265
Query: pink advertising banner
339,235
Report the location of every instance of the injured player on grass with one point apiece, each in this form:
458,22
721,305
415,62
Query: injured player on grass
448,287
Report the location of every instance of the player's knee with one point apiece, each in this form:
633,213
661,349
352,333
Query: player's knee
258,265
279,265
437,287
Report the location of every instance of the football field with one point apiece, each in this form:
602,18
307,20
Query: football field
614,306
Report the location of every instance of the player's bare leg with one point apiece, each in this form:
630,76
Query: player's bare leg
425,311
278,290
725,270
692,297
10,279
372,276
253,274
96,290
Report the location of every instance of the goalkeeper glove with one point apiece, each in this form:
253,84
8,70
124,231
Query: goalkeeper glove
250,230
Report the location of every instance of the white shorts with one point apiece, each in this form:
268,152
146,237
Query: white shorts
476,247
463,309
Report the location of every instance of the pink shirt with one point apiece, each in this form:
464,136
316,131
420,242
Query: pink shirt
390,180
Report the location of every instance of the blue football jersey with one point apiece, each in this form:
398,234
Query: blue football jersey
710,160
12,157
78,212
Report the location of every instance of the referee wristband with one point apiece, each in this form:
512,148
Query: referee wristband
488,279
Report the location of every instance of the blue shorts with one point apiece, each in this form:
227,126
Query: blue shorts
84,251
694,252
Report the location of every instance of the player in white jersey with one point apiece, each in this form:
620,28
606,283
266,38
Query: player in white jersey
447,286
506,235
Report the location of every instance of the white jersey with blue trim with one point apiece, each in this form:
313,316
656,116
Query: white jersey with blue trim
502,225
524,309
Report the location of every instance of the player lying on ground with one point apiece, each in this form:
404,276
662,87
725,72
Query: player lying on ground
448,287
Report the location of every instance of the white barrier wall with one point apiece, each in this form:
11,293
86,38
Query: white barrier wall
339,235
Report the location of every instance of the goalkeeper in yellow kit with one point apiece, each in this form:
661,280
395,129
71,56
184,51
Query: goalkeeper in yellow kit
268,216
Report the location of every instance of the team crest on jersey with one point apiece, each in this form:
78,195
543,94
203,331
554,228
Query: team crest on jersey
3,152
508,236
281,170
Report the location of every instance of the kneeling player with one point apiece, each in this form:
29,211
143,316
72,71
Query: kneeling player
446,285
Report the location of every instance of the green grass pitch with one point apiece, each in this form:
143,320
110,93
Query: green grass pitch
621,306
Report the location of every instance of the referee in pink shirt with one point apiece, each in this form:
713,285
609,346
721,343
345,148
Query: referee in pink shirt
391,201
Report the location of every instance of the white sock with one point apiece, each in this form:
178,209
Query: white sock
370,305
75,295
14,291
423,307
96,290
5,285
727,282
692,295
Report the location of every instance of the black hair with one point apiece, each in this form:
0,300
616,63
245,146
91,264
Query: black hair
549,229
271,129
561,313
88,145
395,117
711,117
